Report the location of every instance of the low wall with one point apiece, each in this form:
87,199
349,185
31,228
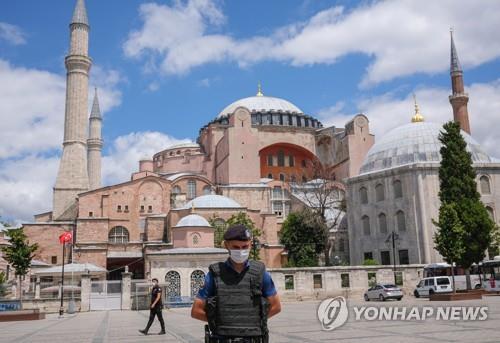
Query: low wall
328,280
49,305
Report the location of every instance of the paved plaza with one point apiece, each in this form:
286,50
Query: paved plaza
296,323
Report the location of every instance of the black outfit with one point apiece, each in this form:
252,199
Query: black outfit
238,311
155,311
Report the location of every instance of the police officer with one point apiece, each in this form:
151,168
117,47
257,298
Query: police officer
155,309
238,295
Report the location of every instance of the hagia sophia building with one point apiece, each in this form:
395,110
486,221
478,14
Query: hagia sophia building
162,222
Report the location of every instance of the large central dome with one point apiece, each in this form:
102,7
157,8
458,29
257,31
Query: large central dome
261,103
412,143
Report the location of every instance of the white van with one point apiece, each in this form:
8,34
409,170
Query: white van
430,285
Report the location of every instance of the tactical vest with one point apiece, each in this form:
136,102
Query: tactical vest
240,309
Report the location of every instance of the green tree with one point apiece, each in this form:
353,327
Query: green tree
303,235
494,249
450,236
238,218
458,188
19,254
3,281
370,262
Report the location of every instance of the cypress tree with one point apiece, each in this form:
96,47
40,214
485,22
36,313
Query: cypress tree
458,189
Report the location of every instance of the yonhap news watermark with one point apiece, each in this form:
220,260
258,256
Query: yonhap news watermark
333,313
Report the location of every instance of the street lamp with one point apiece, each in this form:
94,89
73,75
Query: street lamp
391,239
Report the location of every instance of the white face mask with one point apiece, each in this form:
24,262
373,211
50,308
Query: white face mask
239,256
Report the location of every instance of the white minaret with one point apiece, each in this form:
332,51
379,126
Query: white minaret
72,177
94,145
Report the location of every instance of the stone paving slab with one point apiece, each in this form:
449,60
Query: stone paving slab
296,324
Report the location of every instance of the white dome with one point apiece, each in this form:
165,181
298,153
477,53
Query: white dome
412,143
261,103
192,220
212,201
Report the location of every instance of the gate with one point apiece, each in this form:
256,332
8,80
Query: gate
106,295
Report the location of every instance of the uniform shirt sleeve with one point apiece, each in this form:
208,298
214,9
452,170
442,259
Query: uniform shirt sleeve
208,288
268,288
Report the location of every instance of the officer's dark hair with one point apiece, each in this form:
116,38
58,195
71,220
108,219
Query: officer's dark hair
155,279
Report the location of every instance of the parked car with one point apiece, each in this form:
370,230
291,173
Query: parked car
383,292
431,285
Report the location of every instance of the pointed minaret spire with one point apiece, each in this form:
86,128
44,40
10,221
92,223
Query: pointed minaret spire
458,97
96,111
455,66
80,13
94,145
72,177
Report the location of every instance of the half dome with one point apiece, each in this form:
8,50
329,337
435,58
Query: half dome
212,201
413,143
192,220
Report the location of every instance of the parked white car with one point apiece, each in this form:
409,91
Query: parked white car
383,292
431,285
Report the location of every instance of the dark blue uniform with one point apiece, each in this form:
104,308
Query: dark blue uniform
208,289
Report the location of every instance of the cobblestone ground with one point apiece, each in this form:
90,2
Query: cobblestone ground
296,323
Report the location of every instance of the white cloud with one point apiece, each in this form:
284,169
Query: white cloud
128,150
26,183
389,111
33,101
12,34
402,37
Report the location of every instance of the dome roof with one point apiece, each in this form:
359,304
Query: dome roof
212,201
412,143
192,220
261,103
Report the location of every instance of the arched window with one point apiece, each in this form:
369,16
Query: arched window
197,281
382,223
173,284
400,220
484,181
176,190
118,235
398,189
365,220
490,213
207,190
270,176
379,192
281,158
220,228
191,193
282,177
363,195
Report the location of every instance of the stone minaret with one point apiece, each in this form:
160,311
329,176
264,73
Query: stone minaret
94,145
458,98
72,177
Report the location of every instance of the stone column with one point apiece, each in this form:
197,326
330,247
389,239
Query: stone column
37,288
126,290
85,293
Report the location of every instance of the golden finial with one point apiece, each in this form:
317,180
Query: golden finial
417,118
192,206
259,90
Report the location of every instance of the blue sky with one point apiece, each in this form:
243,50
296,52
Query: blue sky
166,68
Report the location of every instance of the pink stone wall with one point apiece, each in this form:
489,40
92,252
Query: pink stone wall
47,238
184,237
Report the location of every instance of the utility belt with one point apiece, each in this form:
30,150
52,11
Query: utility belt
210,338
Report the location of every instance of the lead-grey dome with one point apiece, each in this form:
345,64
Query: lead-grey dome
261,103
193,220
412,143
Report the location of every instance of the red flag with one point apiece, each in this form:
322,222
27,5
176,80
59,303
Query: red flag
65,237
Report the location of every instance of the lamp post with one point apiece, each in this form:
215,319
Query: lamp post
64,238
391,239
